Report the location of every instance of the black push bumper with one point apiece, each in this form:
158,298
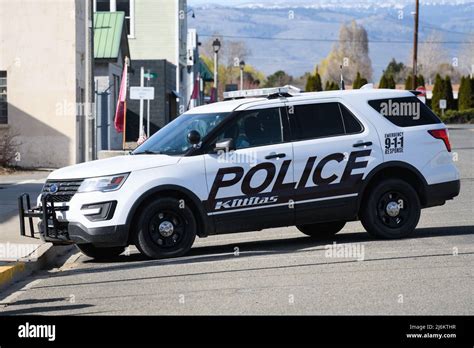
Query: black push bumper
438,194
64,232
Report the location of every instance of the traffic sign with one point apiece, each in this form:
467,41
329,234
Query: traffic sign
150,75
142,93
442,104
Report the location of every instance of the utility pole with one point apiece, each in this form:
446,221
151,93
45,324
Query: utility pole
142,84
89,83
415,44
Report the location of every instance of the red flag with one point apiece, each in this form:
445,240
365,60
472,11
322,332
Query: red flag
195,94
121,105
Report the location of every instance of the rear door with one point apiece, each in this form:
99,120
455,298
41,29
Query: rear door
333,152
250,188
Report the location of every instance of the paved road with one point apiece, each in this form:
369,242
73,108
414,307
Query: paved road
280,271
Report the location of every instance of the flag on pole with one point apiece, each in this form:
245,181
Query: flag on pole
121,103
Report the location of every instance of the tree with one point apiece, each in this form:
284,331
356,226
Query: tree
431,54
448,93
391,82
438,94
352,52
420,81
464,96
278,79
409,82
359,81
331,86
383,82
398,71
313,83
387,81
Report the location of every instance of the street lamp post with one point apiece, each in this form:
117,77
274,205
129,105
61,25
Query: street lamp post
242,66
216,45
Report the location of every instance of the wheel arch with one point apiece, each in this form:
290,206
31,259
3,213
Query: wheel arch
204,225
399,170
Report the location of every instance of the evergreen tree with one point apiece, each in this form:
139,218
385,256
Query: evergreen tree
409,82
383,82
438,93
420,81
464,95
391,82
448,93
357,82
309,84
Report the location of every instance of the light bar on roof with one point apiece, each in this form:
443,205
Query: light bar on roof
261,92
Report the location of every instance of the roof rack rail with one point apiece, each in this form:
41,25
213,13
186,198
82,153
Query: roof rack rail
270,93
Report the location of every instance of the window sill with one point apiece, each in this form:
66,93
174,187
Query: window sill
4,126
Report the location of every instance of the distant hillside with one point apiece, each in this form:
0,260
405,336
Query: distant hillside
296,41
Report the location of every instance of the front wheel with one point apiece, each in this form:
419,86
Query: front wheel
100,253
322,230
165,228
392,210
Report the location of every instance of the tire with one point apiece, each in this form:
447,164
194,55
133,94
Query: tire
100,253
322,230
165,229
392,210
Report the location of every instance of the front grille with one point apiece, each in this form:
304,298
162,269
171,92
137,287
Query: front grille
66,189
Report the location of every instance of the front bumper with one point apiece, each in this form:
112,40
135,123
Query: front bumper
60,232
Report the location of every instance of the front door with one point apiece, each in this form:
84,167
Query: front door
250,188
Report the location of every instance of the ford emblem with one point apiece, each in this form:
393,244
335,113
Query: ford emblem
53,188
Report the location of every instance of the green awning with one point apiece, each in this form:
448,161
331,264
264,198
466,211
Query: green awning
108,34
204,71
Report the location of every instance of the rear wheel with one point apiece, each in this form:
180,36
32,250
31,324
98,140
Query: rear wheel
100,253
165,228
322,230
392,210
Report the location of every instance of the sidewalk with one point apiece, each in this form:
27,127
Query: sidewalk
20,256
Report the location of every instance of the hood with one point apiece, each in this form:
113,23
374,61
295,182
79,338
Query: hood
113,165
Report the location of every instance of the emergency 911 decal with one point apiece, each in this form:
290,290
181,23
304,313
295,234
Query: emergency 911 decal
393,143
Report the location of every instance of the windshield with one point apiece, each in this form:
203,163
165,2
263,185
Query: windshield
172,139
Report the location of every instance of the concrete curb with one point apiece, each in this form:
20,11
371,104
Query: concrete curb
45,256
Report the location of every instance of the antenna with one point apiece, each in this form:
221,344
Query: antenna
341,84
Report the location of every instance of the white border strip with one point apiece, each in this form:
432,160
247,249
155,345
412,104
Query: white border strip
281,204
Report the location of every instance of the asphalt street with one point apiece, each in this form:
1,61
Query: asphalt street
281,271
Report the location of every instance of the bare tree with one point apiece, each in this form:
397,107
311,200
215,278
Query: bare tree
352,52
431,54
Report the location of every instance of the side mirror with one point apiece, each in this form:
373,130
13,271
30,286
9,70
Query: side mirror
194,137
225,145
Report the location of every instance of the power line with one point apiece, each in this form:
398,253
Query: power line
335,40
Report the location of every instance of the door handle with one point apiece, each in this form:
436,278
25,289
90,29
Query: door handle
275,155
367,143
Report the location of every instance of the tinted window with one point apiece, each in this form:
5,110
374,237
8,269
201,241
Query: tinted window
405,112
255,128
351,124
316,120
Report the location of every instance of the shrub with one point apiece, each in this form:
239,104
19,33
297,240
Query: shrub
455,116
8,148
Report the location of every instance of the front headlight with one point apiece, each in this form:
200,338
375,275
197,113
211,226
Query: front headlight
103,183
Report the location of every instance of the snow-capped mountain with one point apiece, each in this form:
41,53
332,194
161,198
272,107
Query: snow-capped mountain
294,35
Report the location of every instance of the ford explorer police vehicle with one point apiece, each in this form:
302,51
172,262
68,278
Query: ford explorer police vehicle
266,158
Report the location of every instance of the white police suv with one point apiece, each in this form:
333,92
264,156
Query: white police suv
310,160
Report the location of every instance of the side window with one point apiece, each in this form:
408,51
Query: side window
317,121
351,125
405,112
255,128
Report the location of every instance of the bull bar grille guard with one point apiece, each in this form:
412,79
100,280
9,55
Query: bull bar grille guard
46,212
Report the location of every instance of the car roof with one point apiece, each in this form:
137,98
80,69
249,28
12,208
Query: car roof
354,94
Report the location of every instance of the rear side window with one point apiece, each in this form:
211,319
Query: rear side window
322,120
405,112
